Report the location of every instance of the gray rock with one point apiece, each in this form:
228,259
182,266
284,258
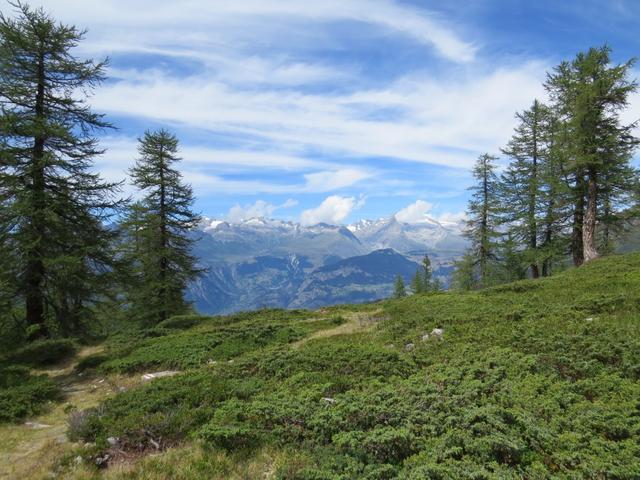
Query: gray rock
437,333
113,441
425,337
150,376
36,425
409,346
329,400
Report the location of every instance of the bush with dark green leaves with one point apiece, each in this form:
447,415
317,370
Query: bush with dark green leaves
217,339
22,394
537,379
44,352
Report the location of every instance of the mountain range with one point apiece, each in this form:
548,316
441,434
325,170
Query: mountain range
261,262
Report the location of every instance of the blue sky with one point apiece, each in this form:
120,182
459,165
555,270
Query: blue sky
335,110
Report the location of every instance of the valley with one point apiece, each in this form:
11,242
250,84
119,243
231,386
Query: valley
272,263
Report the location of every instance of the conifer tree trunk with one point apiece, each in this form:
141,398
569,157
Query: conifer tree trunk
163,238
533,190
577,248
34,271
548,235
590,248
484,225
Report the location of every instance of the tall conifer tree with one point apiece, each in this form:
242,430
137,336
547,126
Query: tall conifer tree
522,183
588,95
484,216
55,208
160,225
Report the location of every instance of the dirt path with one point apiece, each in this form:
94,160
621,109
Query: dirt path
356,322
30,450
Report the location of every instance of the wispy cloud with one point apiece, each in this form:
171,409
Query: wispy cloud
441,122
157,23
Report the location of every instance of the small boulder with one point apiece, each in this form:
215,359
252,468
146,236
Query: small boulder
113,441
425,337
437,333
101,461
329,400
409,346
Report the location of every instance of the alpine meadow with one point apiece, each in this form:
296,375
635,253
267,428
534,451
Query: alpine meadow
374,240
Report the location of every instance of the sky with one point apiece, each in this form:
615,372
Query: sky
334,110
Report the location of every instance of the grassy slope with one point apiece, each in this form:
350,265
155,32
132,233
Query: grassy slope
533,379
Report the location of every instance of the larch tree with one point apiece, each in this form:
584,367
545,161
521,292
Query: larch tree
464,276
399,290
484,216
557,200
417,282
588,95
54,207
427,281
160,225
522,182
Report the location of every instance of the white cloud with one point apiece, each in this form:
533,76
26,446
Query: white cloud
414,213
441,122
334,180
118,25
332,210
260,208
289,203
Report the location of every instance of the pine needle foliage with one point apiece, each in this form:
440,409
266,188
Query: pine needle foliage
160,230
54,207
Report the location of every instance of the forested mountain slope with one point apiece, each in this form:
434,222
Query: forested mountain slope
535,379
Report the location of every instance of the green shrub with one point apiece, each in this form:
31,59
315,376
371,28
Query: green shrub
379,445
24,395
44,352
229,437
527,382
181,321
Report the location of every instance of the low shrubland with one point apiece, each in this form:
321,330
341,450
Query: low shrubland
537,379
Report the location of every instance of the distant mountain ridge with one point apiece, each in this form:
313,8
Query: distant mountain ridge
262,262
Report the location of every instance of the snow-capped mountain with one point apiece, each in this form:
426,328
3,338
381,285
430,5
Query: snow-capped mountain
422,236
267,262
262,236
